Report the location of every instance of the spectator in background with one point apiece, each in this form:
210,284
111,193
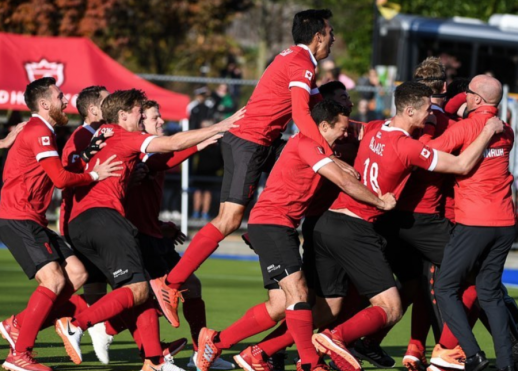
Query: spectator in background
224,105
201,108
364,114
332,73
232,71
206,164
375,94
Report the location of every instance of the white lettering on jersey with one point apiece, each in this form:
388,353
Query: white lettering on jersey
494,152
308,75
377,148
45,141
286,52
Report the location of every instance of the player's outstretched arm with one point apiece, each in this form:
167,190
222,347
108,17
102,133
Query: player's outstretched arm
465,162
191,138
352,186
8,141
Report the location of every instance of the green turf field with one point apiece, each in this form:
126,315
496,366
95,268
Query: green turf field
229,289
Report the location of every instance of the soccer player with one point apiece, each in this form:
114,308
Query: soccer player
344,236
158,239
272,231
284,91
32,170
100,232
484,231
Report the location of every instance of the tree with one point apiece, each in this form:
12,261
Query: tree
146,35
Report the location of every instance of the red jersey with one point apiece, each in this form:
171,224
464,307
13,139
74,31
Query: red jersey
424,191
269,109
27,189
483,197
78,141
142,203
385,160
291,184
110,192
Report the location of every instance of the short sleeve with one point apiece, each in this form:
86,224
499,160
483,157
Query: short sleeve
136,141
414,153
42,142
452,139
313,154
302,75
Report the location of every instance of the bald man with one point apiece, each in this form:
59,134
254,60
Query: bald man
484,231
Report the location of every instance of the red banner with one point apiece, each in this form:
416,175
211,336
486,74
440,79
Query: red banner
75,63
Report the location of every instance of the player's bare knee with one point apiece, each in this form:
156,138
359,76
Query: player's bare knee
77,276
51,276
390,302
276,304
140,292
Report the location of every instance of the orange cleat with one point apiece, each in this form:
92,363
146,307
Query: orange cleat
327,343
414,359
448,358
23,361
10,330
252,359
208,352
167,299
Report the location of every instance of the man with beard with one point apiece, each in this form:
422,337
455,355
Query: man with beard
32,170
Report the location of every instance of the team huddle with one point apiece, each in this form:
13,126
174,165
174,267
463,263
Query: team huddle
416,210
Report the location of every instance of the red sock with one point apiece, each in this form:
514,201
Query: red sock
278,339
115,325
469,298
255,321
366,322
37,310
71,308
201,247
420,322
107,307
148,329
355,303
194,313
300,324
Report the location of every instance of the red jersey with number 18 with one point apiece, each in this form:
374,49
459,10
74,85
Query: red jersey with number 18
385,160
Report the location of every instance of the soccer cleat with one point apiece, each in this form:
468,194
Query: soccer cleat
165,366
71,336
101,342
167,299
414,359
173,348
436,368
10,330
448,358
253,359
219,363
372,352
23,361
208,352
327,343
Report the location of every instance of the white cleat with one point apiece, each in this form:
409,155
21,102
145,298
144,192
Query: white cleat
219,363
101,342
71,336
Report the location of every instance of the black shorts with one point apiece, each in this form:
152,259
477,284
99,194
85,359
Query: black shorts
352,244
308,251
244,161
158,254
278,248
32,245
109,241
95,275
412,237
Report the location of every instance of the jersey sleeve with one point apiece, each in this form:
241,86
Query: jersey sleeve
312,154
452,139
137,141
301,74
42,142
414,153
165,161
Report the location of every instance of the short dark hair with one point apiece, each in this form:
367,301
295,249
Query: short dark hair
328,89
150,104
87,96
121,100
457,86
432,73
36,90
328,110
410,93
307,23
